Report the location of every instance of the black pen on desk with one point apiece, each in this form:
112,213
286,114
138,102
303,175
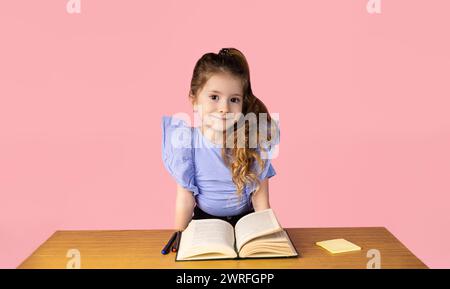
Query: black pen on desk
176,244
166,248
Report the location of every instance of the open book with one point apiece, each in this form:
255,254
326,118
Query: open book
256,235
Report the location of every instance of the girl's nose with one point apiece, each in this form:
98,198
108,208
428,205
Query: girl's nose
224,108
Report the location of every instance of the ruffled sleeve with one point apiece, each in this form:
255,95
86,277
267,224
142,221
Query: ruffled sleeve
268,170
177,152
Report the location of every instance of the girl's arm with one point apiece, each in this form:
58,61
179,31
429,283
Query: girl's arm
260,198
184,207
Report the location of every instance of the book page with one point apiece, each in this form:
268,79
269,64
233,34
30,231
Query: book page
209,231
273,245
206,236
255,225
275,237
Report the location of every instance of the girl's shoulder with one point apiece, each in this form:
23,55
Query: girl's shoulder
172,122
268,148
176,132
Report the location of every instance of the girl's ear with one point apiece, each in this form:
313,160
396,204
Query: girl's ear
192,99
193,102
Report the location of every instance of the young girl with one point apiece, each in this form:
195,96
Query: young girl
216,177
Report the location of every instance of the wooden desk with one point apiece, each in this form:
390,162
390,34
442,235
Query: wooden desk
142,249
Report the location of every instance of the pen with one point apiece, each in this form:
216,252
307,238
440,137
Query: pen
166,248
177,242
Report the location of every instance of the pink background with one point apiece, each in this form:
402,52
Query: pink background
363,102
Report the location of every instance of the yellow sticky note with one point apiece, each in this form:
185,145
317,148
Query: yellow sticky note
338,246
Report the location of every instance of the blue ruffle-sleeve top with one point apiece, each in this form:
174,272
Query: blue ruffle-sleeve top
197,165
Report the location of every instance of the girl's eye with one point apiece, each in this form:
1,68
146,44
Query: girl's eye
214,97
235,99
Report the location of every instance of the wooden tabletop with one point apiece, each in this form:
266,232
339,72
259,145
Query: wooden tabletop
142,249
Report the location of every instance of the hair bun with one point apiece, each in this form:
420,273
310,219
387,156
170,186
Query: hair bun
224,51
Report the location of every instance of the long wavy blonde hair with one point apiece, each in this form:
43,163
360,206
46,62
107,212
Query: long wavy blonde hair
240,159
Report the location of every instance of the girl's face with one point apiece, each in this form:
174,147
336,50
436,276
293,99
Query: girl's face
219,102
